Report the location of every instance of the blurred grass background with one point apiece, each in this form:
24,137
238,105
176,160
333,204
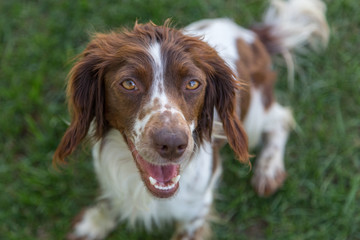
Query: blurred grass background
38,39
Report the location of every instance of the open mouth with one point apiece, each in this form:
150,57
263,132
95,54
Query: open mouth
161,180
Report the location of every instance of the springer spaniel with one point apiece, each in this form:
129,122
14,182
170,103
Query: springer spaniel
159,103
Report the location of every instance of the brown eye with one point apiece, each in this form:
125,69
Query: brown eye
129,85
192,85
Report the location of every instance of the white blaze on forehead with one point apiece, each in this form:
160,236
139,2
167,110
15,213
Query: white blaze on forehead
158,68
158,96
158,92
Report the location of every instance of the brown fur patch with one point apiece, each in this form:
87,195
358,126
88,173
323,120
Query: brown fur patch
271,43
144,111
254,66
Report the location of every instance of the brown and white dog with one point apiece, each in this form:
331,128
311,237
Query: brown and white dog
159,101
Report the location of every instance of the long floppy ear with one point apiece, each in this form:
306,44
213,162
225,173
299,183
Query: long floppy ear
221,94
85,92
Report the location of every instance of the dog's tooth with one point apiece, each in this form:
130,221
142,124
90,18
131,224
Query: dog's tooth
165,187
176,179
155,183
152,181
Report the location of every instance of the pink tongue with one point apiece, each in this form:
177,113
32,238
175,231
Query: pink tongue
161,173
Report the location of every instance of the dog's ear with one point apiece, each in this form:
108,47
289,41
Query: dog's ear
85,92
220,94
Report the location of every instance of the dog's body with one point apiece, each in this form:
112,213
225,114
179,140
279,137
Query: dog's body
150,95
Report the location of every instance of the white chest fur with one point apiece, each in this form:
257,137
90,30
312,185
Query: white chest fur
121,183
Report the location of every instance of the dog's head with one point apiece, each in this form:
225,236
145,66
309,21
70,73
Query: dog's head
158,88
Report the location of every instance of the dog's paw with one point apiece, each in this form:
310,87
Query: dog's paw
91,224
266,183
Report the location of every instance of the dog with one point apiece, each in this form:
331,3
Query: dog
158,104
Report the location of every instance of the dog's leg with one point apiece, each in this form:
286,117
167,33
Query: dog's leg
197,229
93,223
269,168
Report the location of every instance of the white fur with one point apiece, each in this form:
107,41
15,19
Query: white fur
255,118
269,168
297,24
130,200
157,89
221,34
96,223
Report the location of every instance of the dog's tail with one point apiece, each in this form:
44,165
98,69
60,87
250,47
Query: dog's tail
293,27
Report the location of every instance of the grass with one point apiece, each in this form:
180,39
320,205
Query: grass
321,197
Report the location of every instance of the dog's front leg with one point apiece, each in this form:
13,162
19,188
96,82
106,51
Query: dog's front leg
269,169
93,223
197,229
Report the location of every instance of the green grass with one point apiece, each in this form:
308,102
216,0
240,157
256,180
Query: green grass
321,197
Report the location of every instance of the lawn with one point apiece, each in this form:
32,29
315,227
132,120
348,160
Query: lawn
38,39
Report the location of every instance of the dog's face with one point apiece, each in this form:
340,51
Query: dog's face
159,88
156,104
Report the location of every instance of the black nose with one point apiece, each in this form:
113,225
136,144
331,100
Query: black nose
170,143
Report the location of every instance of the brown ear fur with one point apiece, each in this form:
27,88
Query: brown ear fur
221,94
85,93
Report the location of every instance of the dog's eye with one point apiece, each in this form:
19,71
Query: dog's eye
192,85
129,84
